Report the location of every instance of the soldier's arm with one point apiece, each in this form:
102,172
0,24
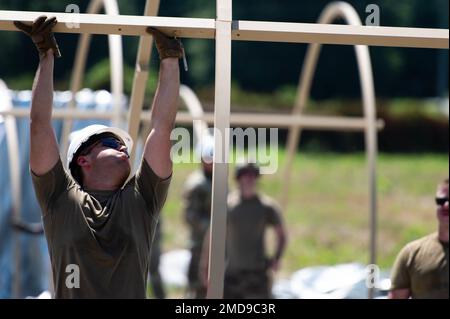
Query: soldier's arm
43,145
281,236
400,278
165,105
164,110
275,219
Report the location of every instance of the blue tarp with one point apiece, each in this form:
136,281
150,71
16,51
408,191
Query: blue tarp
34,269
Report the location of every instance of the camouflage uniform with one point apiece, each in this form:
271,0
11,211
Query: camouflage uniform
197,195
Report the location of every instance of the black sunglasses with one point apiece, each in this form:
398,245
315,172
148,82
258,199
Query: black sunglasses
110,142
440,201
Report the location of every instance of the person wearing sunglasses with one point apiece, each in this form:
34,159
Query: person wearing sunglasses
421,268
99,222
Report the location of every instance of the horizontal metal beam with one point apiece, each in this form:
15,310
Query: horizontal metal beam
120,24
341,34
58,114
242,30
333,123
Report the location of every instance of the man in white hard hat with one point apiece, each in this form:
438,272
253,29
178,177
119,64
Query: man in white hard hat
99,228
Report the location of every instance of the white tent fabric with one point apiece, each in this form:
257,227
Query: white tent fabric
343,281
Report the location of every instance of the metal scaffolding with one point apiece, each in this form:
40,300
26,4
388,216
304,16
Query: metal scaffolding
225,30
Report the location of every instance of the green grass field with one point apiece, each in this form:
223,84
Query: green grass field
327,216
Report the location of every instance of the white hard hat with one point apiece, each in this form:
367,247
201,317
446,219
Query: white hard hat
79,137
205,149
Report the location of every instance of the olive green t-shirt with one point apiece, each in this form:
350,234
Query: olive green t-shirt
248,219
422,267
99,241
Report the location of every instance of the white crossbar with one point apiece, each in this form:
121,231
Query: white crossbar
121,24
340,34
309,122
242,30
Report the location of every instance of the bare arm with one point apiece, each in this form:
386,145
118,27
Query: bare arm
43,146
164,110
399,294
280,233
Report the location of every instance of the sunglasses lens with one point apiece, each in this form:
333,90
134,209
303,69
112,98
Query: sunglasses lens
441,201
111,142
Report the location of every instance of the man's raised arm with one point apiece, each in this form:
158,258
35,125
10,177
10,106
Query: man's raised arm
165,103
43,146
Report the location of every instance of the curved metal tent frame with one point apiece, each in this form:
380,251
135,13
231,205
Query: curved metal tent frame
140,76
116,66
332,12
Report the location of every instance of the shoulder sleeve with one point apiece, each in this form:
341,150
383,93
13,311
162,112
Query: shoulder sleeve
400,278
151,187
233,199
50,186
274,214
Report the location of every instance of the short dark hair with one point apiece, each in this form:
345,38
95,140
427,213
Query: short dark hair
247,168
75,171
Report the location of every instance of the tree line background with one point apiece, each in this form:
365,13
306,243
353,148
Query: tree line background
265,75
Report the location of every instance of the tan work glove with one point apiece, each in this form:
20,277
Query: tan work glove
41,34
167,47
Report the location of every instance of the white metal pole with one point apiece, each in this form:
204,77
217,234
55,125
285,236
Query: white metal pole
340,34
310,122
140,77
221,150
116,66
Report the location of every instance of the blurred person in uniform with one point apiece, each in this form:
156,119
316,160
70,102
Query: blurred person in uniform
197,213
248,270
421,268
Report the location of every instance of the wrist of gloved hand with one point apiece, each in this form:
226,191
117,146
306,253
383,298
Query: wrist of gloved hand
47,43
41,34
167,47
